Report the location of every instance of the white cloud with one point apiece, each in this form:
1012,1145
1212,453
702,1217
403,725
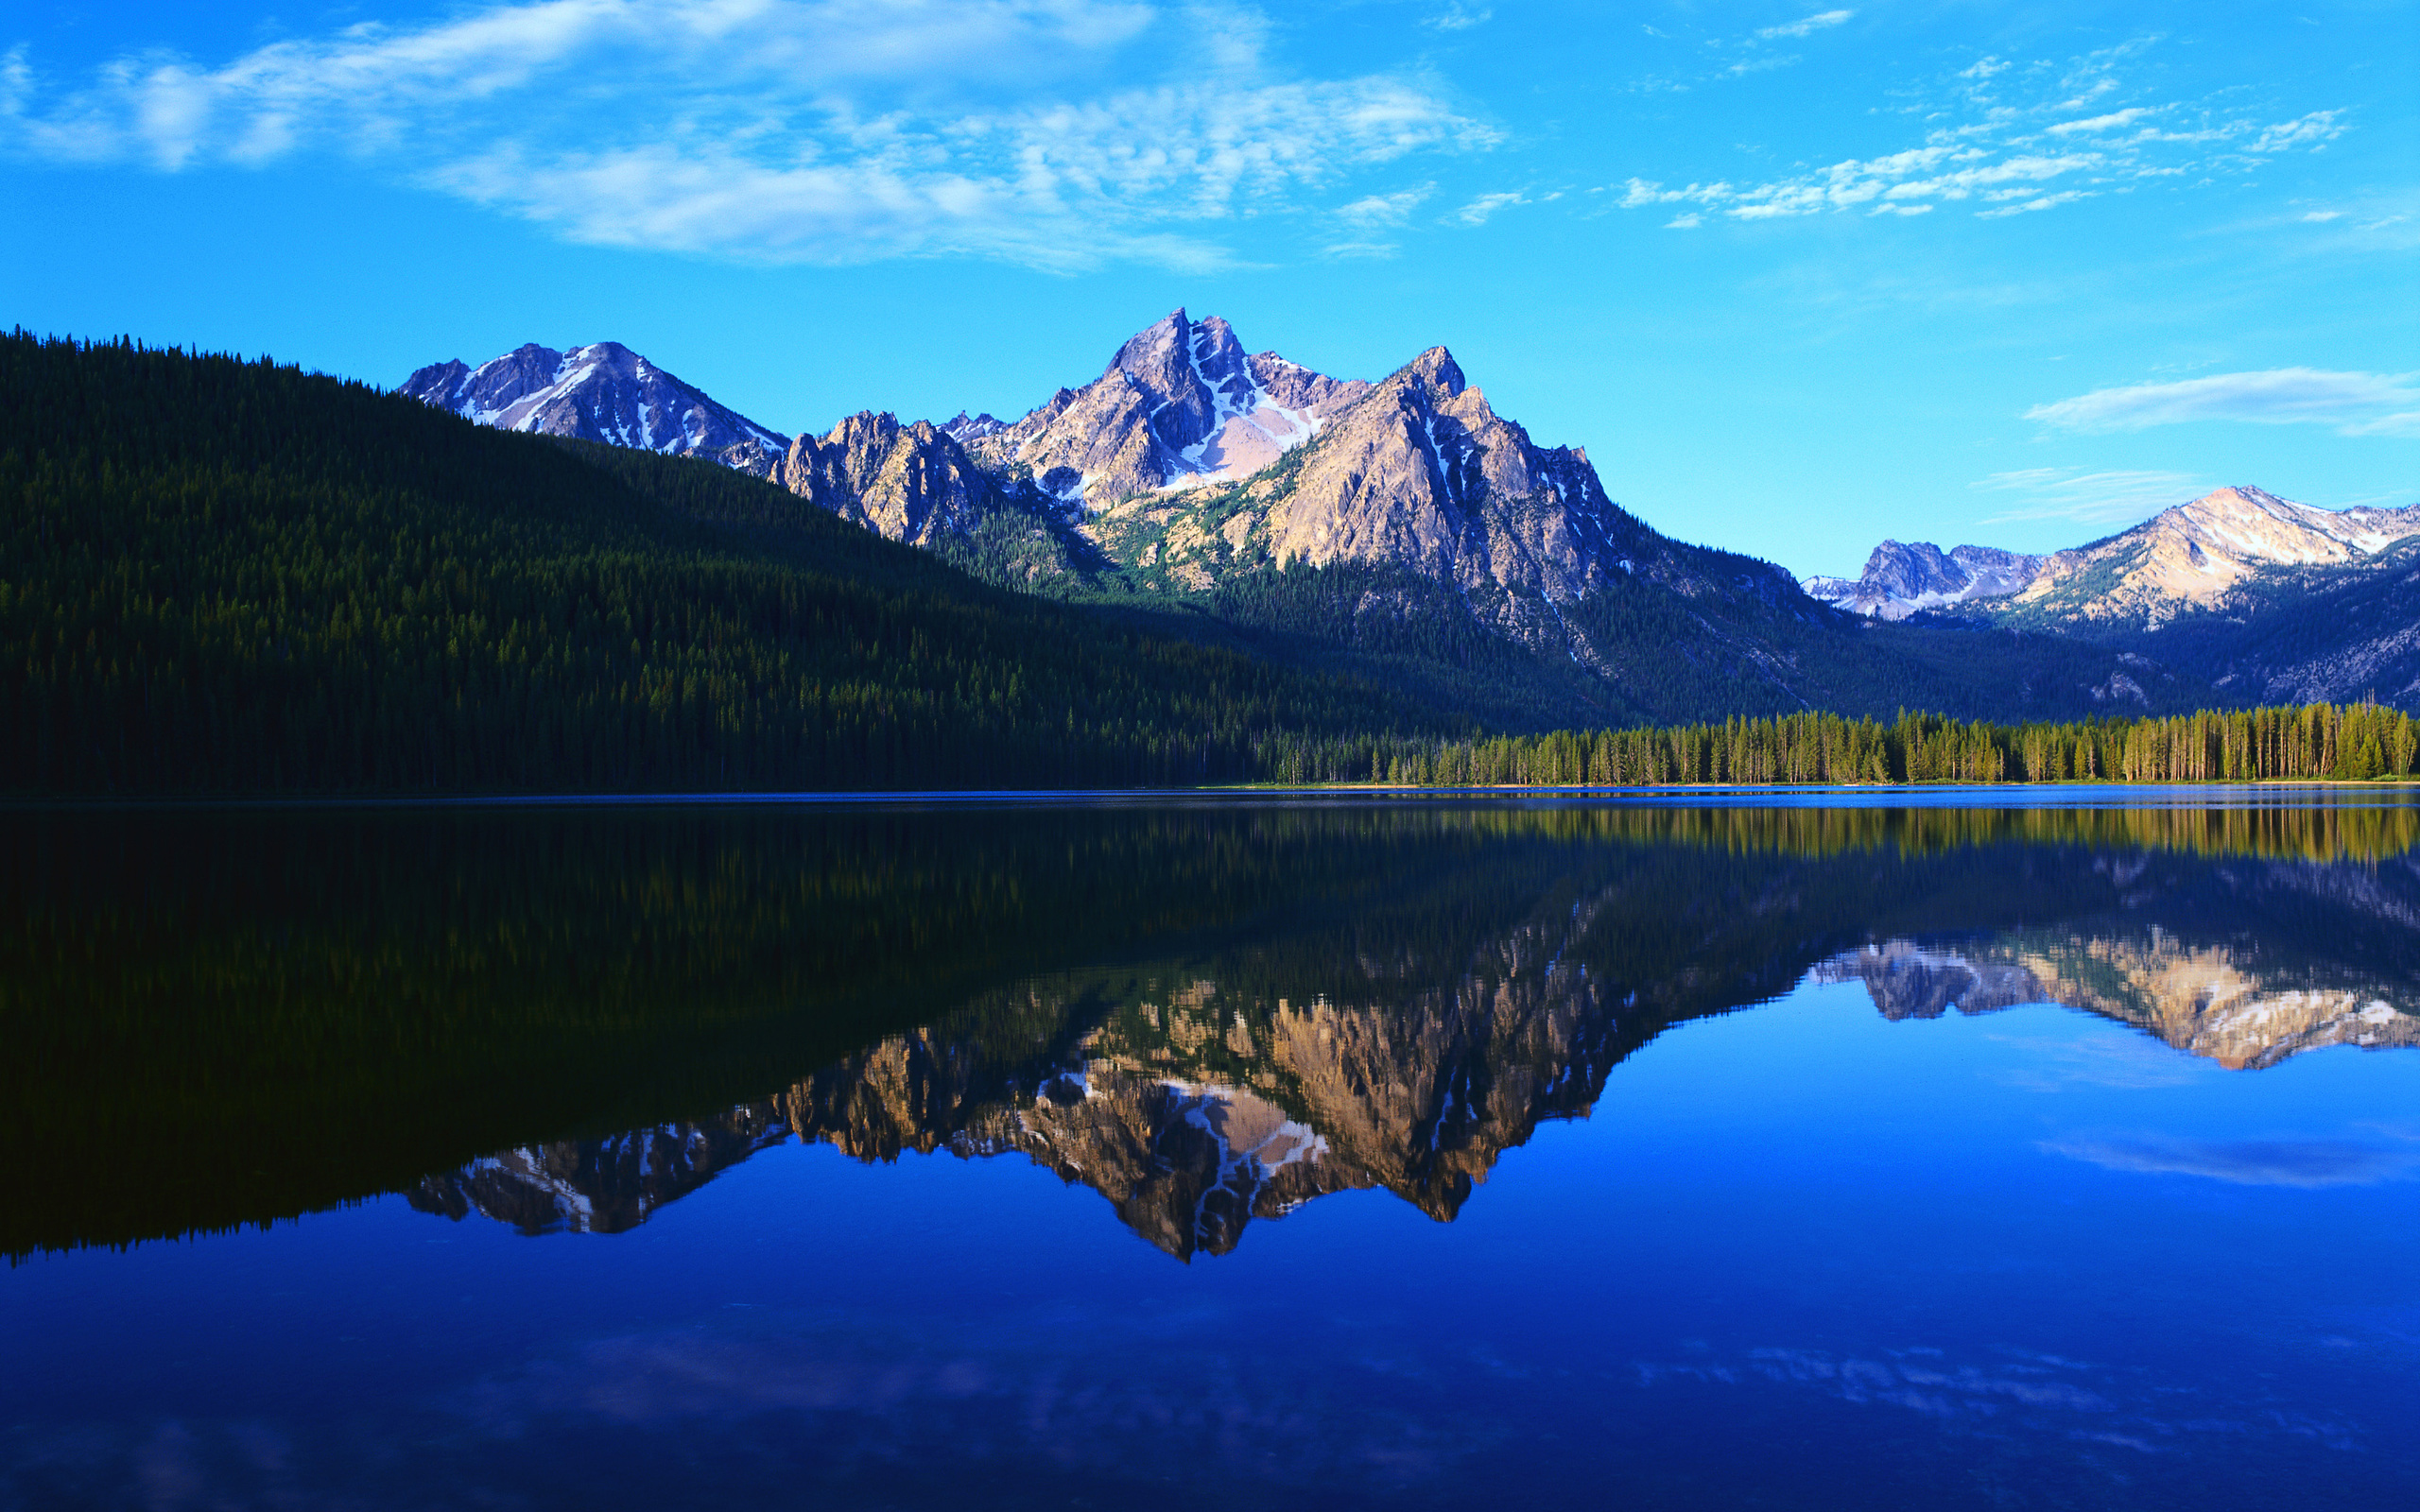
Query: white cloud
1058,133
1476,211
2089,497
2356,404
2037,202
2100,123
1684,222
1812,23
1384,210
2020,144
1459,15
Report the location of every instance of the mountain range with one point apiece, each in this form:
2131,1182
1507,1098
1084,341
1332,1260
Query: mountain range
1398,529
2270,600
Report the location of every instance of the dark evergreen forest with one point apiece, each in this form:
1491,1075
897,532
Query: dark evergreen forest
221,576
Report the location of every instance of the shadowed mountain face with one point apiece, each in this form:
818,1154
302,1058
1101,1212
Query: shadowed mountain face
1210,1015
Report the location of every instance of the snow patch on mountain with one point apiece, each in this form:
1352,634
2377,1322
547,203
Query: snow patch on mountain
602,392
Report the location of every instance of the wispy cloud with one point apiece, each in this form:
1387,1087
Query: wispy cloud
1459,15
1477,211
2248,1163
1816,23
1051,133
2086,496
2012,141
2356,404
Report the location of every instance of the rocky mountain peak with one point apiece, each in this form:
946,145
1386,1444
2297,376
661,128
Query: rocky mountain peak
601,392
910,482
2196,554
1901,577
1180,403
965,431
1436,366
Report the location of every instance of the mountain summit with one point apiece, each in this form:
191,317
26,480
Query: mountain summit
604,392
1400,530
1900,579
1180,403
2194,554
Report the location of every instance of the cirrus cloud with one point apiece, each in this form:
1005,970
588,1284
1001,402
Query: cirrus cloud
2091,497
1055,134
2356,404
2011,139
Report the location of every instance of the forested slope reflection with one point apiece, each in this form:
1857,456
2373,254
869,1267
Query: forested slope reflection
1209,1013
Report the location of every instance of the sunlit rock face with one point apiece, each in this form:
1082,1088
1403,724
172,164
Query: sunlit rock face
2202,1000
2193,554
1180,403
911,483
605,392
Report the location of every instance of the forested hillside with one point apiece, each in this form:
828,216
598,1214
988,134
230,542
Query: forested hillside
230,577
219,576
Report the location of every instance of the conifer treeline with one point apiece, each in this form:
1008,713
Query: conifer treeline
221,576
2313,742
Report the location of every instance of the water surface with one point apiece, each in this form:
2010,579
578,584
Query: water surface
1239,1154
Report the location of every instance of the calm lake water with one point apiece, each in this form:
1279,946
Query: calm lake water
1233,1154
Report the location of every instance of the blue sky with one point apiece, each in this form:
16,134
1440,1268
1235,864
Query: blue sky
1797,276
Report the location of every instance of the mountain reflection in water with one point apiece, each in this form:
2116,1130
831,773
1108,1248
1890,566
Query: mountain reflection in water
564,1019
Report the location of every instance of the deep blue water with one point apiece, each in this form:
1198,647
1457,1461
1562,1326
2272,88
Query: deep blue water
1760,1203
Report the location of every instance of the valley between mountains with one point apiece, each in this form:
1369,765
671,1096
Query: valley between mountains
1401,529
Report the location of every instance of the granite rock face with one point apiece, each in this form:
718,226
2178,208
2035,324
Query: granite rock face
2192,555
1180,402
910,483
1423,474
605,392
1900,579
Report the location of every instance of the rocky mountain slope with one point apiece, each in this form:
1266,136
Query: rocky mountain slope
2192,555
1400,530
1900,579
1179,404
604,392
2262,600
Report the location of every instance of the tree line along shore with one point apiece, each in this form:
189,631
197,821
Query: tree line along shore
2316,742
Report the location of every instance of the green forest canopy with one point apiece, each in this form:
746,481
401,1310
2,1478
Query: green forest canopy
222,577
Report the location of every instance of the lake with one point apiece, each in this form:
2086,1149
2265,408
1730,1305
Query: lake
2051,1150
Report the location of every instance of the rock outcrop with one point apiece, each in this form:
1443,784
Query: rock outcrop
605,392
1180,403
911,483
1902,578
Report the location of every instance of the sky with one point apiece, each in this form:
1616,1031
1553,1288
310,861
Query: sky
1799,277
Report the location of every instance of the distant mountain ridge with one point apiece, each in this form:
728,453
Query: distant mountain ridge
1901,579
1400,528
602,392
2193,554
2188,556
